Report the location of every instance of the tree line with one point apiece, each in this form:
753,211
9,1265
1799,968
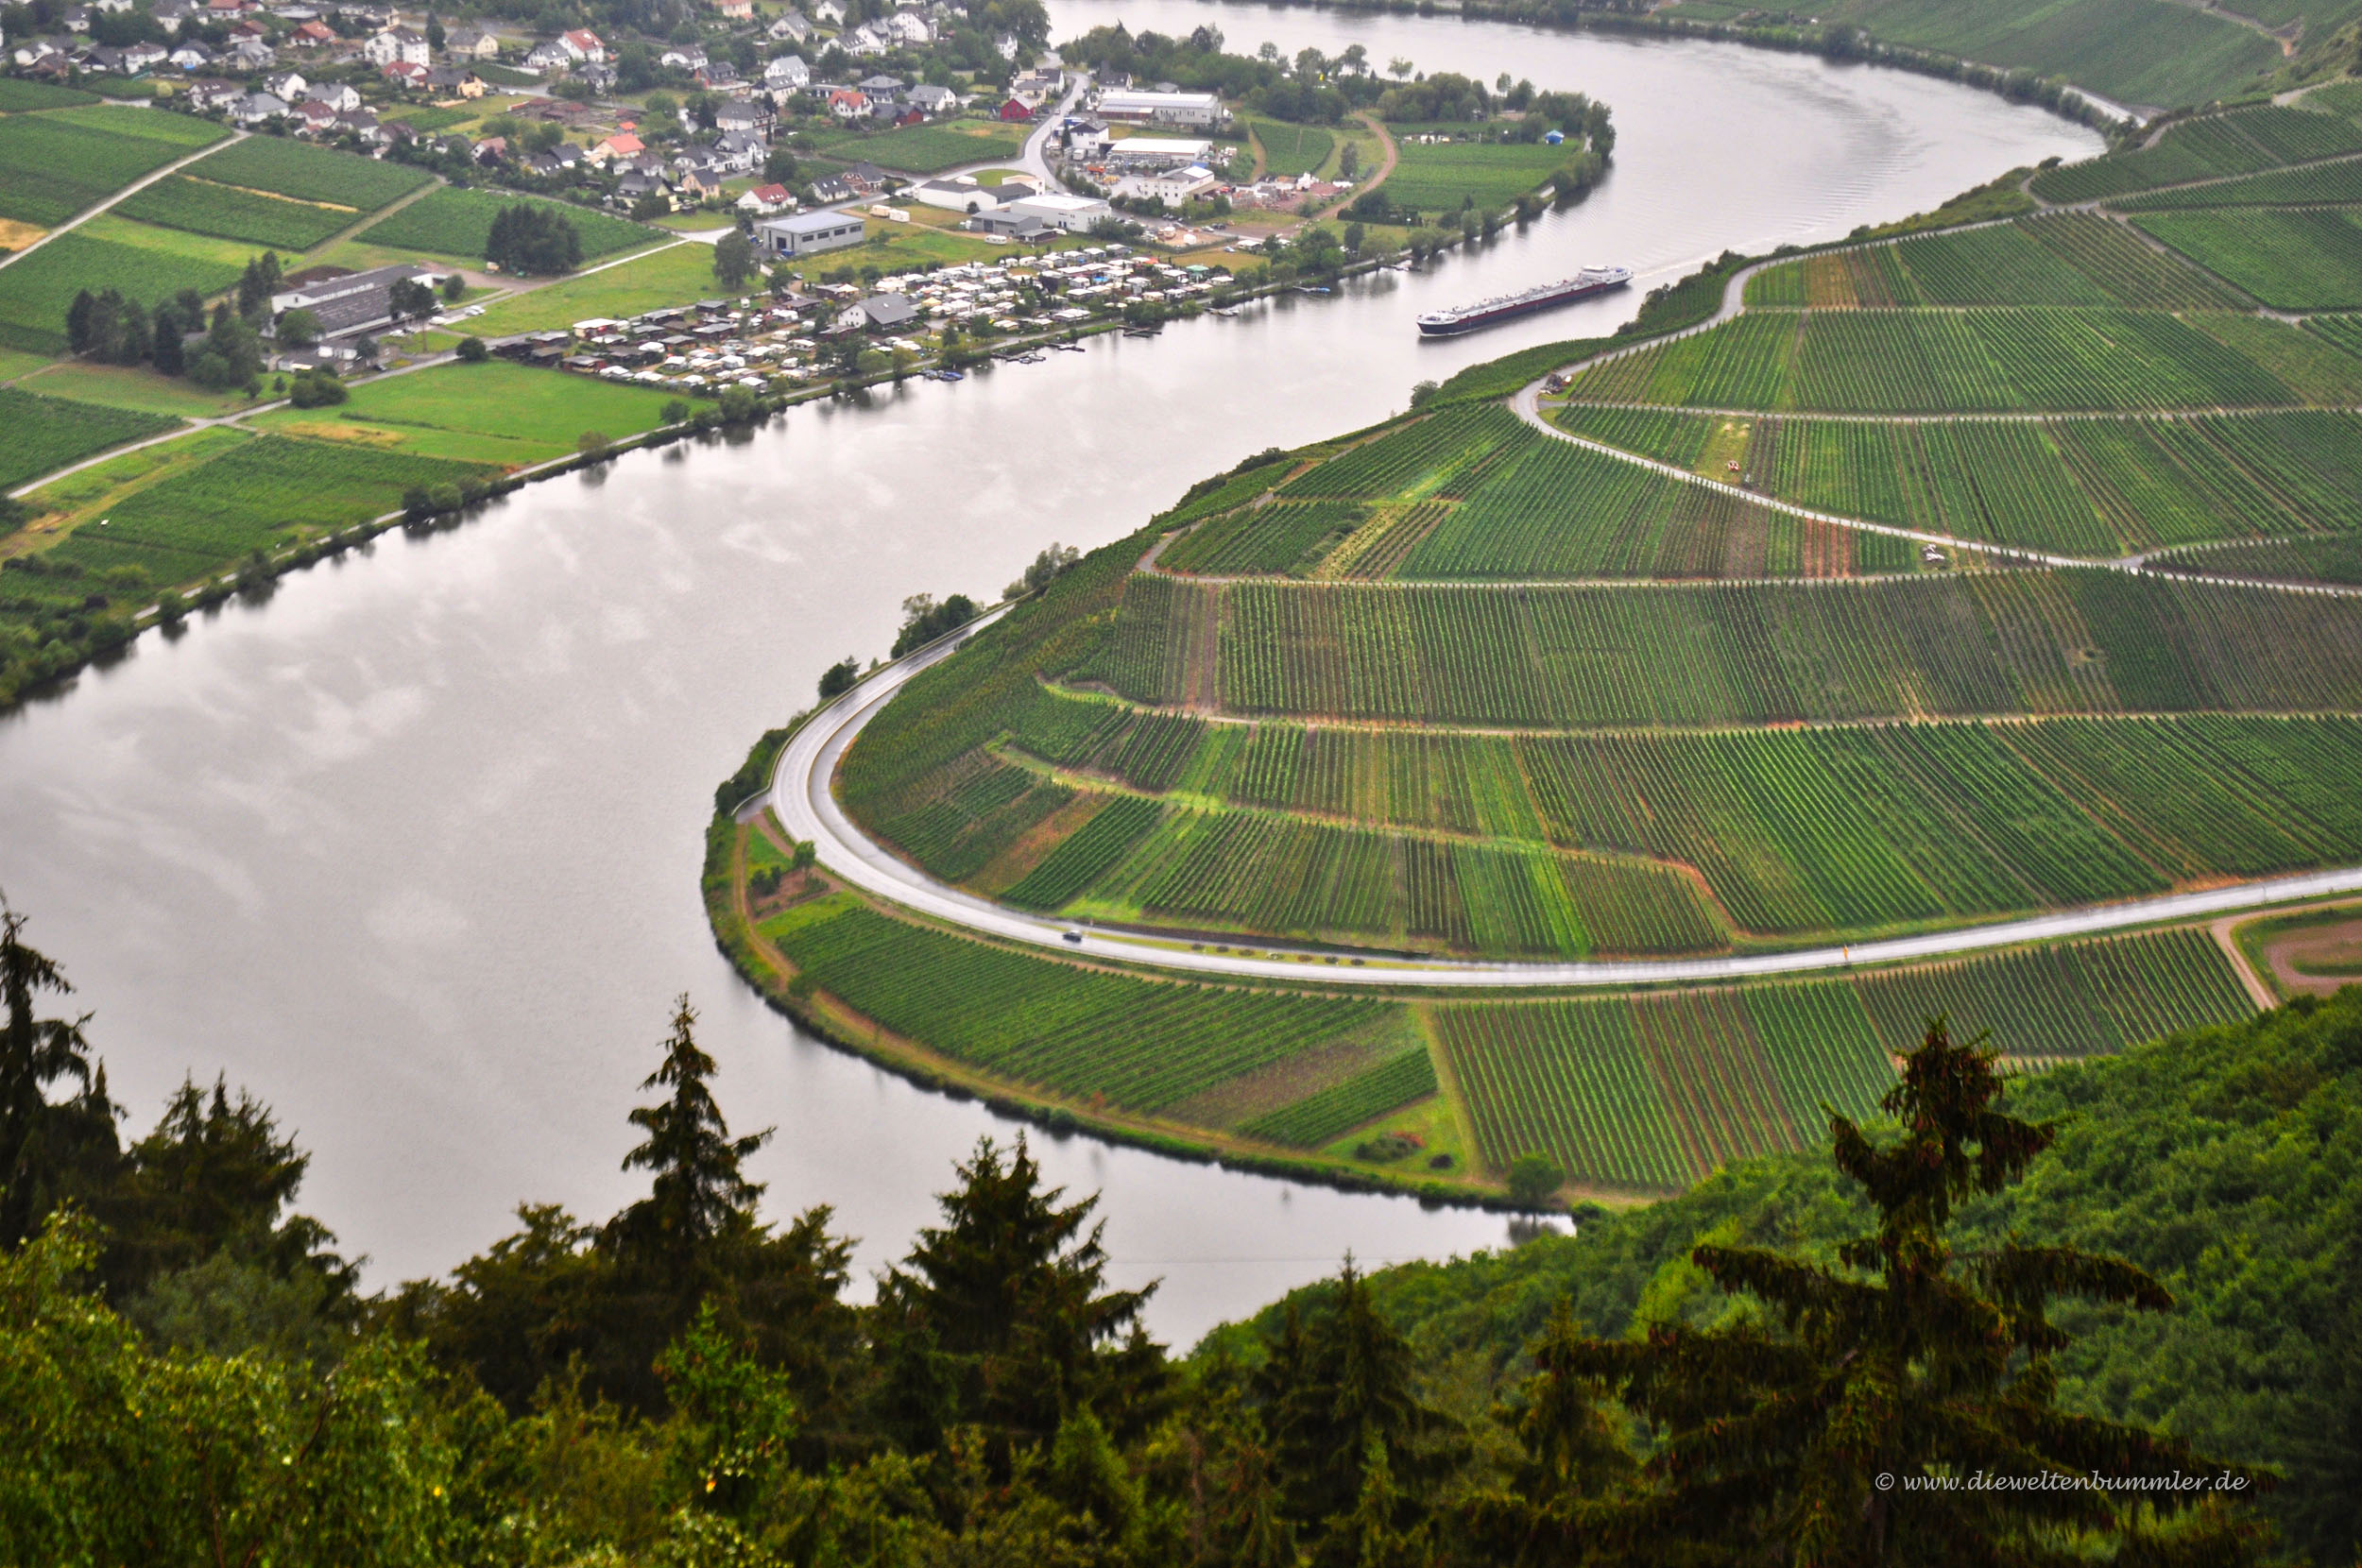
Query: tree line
191,1374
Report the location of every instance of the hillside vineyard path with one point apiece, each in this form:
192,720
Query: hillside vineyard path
801,795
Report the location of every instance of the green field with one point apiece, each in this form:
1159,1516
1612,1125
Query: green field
146,264
16,97
49,433
258,494
2301,260
55,164
674,276
303,173
1658,1091
497,413
456,223
928,150
231,213
2134,51
1290,149
1955,362
2093,488
1439,178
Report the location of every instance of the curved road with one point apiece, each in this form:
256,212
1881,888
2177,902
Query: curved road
807,807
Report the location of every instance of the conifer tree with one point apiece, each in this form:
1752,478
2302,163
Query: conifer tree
1847,1421
700,1192
34,1053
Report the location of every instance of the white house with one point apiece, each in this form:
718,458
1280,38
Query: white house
582,44
471,43
931,99
255,107
787,73
1170,186
689,56
551,56
397,46
335,95
828,13
908,28
285,84
1074,213
790,27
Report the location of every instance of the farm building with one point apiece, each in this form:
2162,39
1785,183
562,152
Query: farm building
808,232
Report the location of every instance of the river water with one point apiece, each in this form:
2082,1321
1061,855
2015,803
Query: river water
411,849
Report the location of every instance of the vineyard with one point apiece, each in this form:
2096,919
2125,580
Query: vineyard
232,213
1558,657
456,223
1797,832
55,164
1290,149
2093,488
49,433
1951,362
36,292
2303,259
1451,686
1655,1091
277,166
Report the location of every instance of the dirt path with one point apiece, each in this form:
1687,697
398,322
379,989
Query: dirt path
1391,156
2260,994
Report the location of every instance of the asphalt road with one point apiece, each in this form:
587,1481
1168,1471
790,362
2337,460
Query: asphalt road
800,795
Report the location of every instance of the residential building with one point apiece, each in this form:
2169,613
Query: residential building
452,81
312,35
1015,111
828,13
142,56
1074,213
865,178
830,188
582,44
736,11
806,233
256,108
738,150
335,95
786,74
934,100
1169,108
397,45
848,103
471,43
684,56
407,75
1170,186
765,201
191,57
550,55
879,313
790,27
907,28
285,84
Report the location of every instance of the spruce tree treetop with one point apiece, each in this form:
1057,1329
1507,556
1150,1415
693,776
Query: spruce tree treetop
34,1053
700,1191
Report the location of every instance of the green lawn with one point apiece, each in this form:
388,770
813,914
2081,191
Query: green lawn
670,277
133,387
928,150
457,223
1435,179
489,413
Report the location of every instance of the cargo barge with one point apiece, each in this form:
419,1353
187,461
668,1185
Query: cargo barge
1468,318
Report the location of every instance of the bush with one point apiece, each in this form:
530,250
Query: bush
317,389
923,620
473,349
838,679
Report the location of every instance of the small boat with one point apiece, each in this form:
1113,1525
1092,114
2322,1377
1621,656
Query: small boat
1313,290
1068,348
1141,332
946,375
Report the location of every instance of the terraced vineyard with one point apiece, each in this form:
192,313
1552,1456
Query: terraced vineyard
1570,677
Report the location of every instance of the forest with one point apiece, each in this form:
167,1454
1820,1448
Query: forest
2136,1268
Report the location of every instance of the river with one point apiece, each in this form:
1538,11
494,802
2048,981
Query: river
410,850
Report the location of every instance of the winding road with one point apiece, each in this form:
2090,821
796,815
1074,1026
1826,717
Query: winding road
802,796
